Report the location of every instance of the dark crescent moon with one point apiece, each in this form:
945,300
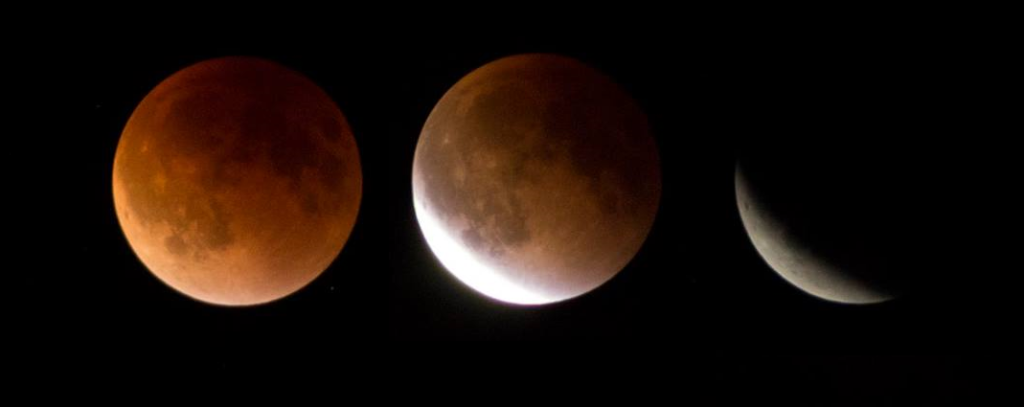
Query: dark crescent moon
794,258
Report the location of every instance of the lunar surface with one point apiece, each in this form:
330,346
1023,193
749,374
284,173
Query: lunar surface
237,181
536,179
831,220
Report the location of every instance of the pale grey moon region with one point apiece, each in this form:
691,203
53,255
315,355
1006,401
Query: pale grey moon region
837,223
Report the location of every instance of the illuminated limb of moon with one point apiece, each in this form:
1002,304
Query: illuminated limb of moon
536,179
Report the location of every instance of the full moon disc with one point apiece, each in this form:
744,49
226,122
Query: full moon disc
536,179
237,181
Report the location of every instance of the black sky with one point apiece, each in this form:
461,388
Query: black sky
697,285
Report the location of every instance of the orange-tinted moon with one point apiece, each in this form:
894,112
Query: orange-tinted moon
536,179
237,181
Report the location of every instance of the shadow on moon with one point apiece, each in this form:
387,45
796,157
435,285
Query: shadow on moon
535,179
237,181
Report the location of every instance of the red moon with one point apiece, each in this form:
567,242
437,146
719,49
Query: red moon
536,179
237,181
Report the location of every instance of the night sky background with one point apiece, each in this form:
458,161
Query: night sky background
696,288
